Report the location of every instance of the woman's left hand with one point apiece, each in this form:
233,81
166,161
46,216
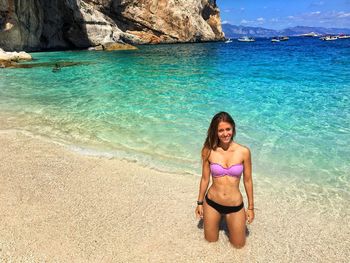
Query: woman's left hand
249,215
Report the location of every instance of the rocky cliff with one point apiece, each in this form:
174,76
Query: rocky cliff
62,24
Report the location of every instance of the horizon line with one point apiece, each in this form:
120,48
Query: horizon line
227,23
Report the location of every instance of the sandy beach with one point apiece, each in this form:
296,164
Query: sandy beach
57,205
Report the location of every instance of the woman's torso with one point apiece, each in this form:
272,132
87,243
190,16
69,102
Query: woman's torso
225,185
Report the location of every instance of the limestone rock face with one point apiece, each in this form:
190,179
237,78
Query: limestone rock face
20,24
171,20
62,24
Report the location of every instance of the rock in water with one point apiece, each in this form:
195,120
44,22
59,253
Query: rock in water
14,56
117,46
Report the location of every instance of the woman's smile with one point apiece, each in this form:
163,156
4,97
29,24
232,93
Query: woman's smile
225,132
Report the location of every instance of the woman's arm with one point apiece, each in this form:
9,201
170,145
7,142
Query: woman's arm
203,186
248,184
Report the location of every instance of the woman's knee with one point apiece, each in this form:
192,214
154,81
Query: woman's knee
211,239
237,244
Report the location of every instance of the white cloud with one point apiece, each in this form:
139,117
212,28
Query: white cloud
317,3
242,9
326,19
343,14
260,20
225,22
247,22
315,13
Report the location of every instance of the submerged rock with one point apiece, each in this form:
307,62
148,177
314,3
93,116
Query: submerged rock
52,24
55,66
7,64
113,46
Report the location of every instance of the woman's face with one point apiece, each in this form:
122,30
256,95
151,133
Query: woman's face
225,132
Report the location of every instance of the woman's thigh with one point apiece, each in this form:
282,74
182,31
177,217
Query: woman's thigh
211,223
237,228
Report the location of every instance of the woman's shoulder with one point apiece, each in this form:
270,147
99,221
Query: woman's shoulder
242,148
205,153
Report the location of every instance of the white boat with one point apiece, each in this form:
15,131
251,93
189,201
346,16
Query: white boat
228,40
311,34
329,38
246,39
343,36
278,39
283,38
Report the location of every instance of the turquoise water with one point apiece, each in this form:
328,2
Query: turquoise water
290,101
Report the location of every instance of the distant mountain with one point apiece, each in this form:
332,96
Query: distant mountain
232,31
238,31
298,30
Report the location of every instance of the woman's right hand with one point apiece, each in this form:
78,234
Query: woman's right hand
199,212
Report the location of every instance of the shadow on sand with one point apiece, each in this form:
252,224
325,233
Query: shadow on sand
222,226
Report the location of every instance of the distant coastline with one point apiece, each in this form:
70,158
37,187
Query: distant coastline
233,31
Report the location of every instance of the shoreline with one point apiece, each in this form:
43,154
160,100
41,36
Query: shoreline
59,205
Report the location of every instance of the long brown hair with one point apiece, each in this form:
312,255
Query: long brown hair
212,140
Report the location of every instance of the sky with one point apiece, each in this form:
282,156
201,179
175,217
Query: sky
280,14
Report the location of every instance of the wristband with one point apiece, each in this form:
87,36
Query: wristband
199,202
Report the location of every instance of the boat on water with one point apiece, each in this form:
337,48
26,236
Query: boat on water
342,36
246,39
333,37
278,39
311,34
283,38
329,38
228,40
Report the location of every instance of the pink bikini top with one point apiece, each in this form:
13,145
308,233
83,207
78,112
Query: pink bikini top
217,170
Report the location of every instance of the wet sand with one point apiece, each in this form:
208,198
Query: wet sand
57,205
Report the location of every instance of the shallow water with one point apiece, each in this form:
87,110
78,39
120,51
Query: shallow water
290,101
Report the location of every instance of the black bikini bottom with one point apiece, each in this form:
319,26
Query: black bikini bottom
223,209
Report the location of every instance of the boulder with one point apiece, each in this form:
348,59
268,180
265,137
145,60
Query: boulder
14,56
117,46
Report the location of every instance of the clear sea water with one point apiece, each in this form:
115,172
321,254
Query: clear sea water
290,101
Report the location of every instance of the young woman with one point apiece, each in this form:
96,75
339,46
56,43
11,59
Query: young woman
226,161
